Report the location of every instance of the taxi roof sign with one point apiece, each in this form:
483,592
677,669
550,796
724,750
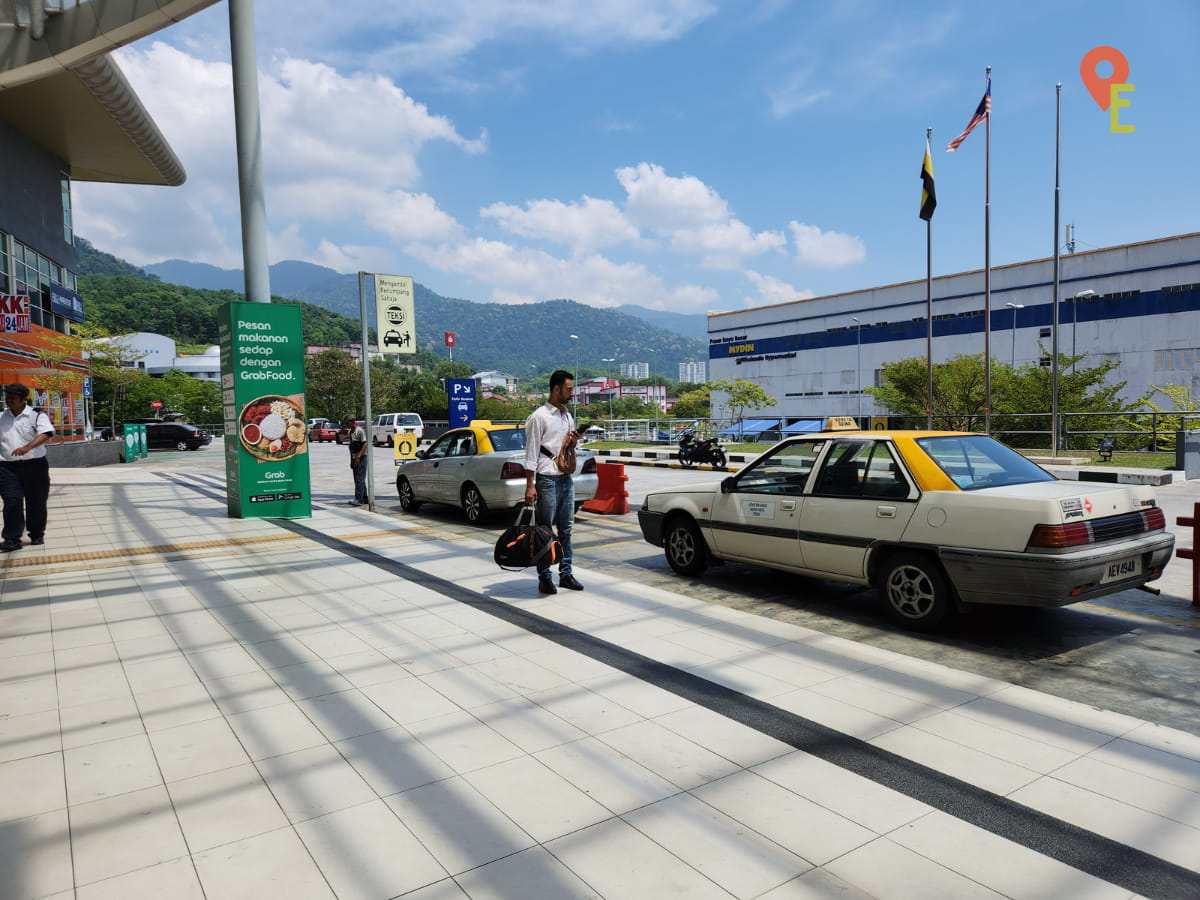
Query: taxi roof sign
840,423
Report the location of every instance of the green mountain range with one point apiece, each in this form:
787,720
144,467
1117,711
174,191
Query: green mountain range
513,339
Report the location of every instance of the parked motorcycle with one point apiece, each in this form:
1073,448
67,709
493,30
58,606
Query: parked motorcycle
692,451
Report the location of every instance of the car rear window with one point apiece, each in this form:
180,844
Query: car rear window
976,461
508,438
410,419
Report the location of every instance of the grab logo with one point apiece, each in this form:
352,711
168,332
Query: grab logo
1106,91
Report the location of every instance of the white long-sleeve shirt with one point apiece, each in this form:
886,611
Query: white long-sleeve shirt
547,427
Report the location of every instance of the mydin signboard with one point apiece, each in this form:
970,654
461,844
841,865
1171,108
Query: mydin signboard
262,398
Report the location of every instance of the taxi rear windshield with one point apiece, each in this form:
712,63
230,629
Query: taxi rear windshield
977,461
508,439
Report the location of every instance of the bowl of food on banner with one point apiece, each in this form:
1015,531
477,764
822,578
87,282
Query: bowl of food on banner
272,427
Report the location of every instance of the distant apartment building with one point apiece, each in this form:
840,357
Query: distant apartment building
635,370
693,371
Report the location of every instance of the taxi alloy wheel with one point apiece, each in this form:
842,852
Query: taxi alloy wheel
916,592
408,500
473,504
685,548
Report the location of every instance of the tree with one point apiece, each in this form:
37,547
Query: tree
199,401
333,385
1021,398
694,404
1160,433
741,395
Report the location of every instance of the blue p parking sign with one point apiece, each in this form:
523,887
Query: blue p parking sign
460,394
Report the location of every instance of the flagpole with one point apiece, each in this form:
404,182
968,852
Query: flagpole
928,307
1054,299
987,272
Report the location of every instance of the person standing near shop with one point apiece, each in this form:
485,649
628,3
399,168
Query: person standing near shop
549,434
357,437
24,470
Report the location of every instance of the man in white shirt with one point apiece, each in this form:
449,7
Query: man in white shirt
24,470
549,431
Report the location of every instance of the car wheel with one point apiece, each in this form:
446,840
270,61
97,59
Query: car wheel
685,548
339,440
915,591
473,504
181,445
408,500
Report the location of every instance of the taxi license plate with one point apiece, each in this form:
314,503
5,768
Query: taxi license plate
1122,569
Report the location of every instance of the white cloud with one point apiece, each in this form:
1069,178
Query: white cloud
725,245
664,203
826,249
316,174
586,226
773,290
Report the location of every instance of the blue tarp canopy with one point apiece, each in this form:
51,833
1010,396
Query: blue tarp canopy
750,428
804,426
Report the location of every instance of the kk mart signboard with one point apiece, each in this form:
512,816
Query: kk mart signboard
262,400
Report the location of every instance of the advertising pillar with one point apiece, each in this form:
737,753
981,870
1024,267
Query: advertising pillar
262,399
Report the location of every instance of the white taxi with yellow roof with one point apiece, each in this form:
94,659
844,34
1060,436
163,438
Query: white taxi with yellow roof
938,521
478,468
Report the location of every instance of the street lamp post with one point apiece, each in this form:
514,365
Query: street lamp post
858,367
574,396
650,388
1014,307
608,361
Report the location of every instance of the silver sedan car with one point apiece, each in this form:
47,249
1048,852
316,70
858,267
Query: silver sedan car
480,467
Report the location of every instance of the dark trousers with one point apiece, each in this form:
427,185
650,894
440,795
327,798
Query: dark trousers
24,487
360,480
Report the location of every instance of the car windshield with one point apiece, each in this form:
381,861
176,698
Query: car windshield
977,461
508,438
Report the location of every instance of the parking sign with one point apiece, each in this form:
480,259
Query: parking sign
460,393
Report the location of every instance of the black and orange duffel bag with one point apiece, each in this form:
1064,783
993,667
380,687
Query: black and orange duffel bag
525,544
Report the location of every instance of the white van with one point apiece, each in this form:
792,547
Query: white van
388,424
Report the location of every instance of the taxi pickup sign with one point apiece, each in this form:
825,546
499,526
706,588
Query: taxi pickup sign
840,423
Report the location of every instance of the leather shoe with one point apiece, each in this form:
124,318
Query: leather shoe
35,541
570,583
546,585
10,545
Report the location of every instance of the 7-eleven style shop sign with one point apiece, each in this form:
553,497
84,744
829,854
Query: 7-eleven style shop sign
23,349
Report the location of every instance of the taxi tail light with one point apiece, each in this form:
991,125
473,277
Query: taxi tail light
512,470
1057,536
589,466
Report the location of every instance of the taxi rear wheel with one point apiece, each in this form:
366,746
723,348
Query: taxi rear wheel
686,553
408,500
915,591
473,504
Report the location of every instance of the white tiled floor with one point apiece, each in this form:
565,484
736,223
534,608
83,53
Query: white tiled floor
282,720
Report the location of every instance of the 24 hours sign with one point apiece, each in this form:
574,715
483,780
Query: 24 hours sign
262,401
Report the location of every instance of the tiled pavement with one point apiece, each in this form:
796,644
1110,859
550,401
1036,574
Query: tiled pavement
196,706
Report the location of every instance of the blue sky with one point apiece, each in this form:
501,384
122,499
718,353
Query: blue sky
685,155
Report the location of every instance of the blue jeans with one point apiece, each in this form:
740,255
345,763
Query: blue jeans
556,507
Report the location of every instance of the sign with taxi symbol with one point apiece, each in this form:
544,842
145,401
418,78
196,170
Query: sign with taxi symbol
394,318
460,394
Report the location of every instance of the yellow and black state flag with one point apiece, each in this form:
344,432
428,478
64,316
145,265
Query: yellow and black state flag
928,195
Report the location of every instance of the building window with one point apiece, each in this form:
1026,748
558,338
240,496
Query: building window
5,259
1044,362
1176,360
68,224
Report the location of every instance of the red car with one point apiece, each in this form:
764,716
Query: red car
343,433
323,430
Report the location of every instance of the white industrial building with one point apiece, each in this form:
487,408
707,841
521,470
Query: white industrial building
1137,304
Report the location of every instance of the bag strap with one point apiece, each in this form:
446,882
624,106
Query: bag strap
532,515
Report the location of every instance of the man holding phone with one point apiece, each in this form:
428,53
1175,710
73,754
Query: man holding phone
550,439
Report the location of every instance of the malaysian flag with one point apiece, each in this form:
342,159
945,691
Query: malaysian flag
982,111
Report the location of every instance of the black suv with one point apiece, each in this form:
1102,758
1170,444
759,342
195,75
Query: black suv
175,436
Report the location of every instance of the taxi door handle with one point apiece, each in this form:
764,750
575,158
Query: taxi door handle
885,512
787,504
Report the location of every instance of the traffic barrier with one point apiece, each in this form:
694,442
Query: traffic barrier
1184,553
611,497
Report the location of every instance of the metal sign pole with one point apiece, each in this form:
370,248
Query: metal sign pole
366,364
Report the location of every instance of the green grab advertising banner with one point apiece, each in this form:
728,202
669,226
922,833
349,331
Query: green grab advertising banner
130,434
262,401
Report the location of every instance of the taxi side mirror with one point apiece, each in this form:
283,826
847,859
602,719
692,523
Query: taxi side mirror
420,454
727,485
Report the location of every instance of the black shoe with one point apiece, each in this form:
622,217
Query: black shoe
546,585
10,545
569,582
33,542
